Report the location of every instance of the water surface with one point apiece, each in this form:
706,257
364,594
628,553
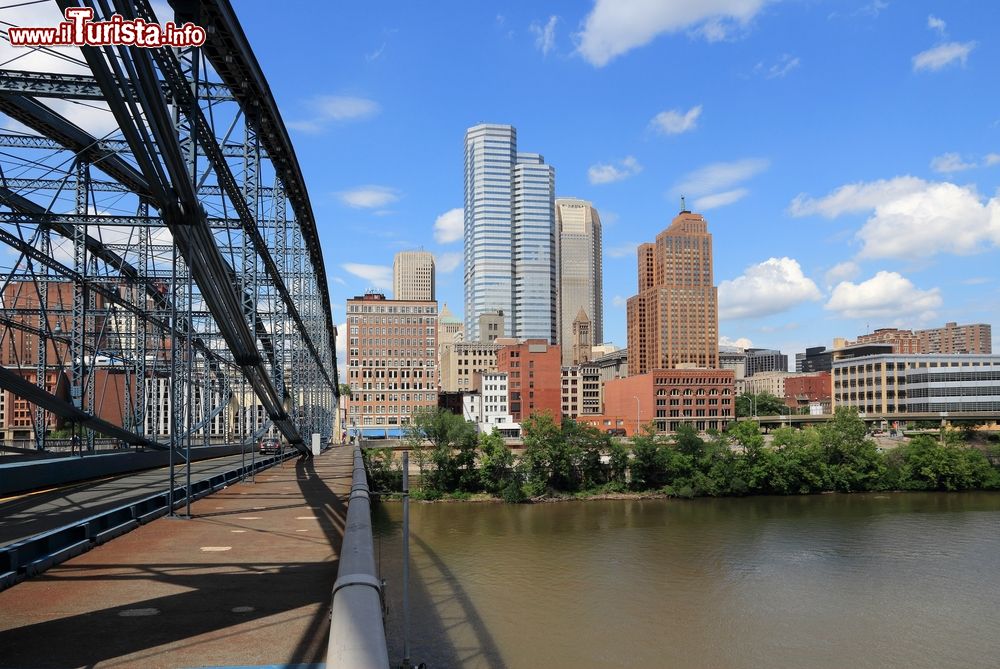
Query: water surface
897,580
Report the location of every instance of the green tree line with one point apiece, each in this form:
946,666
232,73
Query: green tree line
573,458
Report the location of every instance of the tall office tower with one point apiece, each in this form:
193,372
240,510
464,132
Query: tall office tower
509,234
673,323
578,227
413,276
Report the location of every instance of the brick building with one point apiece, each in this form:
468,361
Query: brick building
673,321
391,359
533,369
702,398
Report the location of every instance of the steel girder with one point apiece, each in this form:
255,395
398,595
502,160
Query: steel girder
171,166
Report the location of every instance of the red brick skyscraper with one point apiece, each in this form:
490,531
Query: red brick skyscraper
674,320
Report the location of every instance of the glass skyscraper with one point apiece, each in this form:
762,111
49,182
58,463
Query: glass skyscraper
510,250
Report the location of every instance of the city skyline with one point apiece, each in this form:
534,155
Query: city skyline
831,217
765,119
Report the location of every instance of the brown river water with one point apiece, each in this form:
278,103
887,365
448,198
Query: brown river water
855,581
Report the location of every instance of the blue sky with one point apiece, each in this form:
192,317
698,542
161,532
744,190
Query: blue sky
846,154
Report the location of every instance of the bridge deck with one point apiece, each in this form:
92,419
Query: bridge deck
246,581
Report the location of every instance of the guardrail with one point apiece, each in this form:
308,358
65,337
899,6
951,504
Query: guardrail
34,555
357,631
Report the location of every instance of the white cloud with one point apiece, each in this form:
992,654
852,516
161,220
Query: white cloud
887,294
991,159
950,162
785,64
719,176
942,55
844,271
379,276
447,262
376,54
934,23
615,27
368,197
741,342
605,174
720,199
329,109
619,301
913,218
856,197
545,36
622,250
342,340
675,121
770,287
449,226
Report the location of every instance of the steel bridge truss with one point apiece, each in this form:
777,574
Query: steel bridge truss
162,281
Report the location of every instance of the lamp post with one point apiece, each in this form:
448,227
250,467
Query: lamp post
636,398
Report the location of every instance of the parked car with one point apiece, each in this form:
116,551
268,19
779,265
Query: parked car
270,445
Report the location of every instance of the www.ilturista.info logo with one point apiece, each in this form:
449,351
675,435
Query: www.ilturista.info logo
80,29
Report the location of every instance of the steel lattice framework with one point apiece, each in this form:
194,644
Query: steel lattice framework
163,280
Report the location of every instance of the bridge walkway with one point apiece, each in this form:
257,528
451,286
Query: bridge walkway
245,581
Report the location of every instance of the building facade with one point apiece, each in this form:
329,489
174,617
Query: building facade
581,286
735,359
391,359
954,338
765,360
925,383
413,276
581,391
534,374
701,398
674,320
509,235
461,361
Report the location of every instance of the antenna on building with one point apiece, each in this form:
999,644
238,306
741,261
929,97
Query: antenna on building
683,204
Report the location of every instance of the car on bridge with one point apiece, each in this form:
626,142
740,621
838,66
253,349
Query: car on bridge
270,445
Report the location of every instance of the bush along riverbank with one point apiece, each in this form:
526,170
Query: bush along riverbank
578,461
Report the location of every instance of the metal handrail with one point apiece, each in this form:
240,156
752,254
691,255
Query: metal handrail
357,631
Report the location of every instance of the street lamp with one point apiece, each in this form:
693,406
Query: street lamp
636,398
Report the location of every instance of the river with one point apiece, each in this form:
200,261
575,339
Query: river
867,580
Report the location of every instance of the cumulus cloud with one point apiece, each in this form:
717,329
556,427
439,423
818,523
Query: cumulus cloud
947,163
341,340
770,287
885,295
368,197
545,36
675,121
447,262
330,109
449,226
605,174
379,276
854,198
619,301
913,218
741,342
615,27
934,23
991,159
844,271
943,55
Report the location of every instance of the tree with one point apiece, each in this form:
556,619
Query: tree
648,466
546,460
618,465
446,432
345,391
496,468
853,459
761,404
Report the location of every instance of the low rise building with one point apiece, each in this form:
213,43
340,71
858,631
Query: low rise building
701,398
926,383
765,360
581,390
533,369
